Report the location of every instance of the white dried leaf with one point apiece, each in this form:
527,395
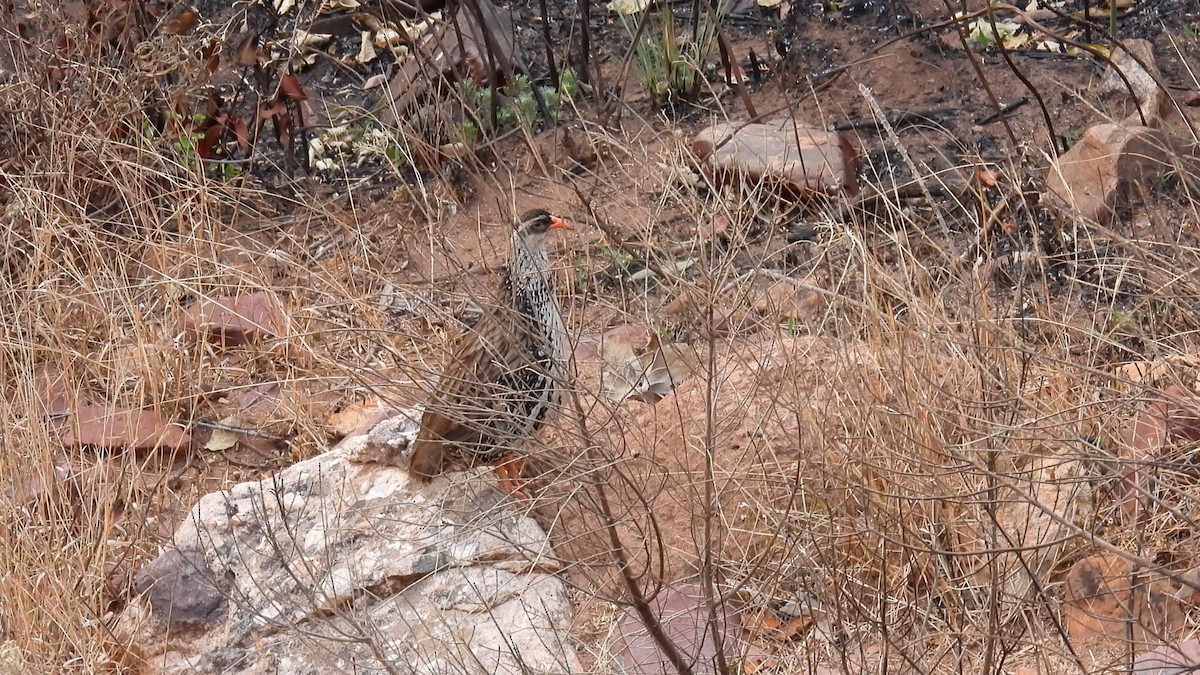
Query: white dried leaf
366,51
304,39
623,371
387,37
223,439
646,376
284,6
628,7
376,80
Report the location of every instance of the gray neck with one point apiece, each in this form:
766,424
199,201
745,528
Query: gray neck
531,292
528,280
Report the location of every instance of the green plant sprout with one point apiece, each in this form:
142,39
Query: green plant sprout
671,66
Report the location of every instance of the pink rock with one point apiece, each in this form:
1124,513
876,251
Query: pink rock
1172,416
1112,165
1176,659
803,159
683,614
115,429
51,396
1106,602
234,320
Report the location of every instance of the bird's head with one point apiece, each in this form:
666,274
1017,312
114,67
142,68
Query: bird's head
535,223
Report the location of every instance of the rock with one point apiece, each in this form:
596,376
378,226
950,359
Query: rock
12,659
180,592
234,321
683,614
1171,415
332,565
822,161
1176,659
785,301
51,396
115,429
1113,165
388,441
1143,82
1098,599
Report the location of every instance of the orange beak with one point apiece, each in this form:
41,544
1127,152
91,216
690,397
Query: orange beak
557,223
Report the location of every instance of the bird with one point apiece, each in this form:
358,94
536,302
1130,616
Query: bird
505,373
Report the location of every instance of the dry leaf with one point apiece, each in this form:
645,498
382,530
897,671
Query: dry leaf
623,369
988,177
628,7
303,39
289,86
366,51
355,416
223,439
180,23
646,372
761,623
753,665
247,51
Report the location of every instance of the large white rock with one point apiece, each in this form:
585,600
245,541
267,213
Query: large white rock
342,565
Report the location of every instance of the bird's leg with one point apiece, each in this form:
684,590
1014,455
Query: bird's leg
511,470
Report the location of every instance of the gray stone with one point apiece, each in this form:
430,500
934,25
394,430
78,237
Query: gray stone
179,590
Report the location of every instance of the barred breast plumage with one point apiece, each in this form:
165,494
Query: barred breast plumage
505,373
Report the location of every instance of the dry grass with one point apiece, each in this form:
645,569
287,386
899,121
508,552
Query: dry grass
883,464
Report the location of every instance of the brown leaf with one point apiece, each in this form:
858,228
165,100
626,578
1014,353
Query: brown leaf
212,56
283,129
759,663
275,109
987,177
209,145
290,88
241,131
247,51
761,623
180,23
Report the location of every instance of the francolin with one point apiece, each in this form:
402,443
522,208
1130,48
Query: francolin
505,373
